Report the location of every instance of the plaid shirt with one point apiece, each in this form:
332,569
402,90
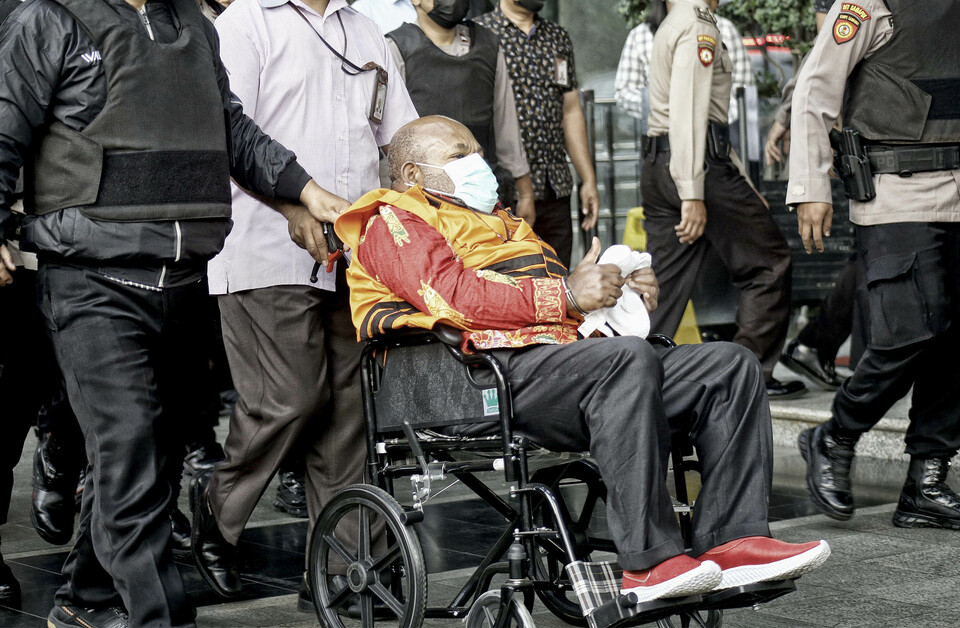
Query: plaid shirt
631,80
532,62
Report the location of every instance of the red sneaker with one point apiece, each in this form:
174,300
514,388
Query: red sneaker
675,577
759,559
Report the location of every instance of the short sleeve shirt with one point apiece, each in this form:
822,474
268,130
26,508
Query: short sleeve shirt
542,70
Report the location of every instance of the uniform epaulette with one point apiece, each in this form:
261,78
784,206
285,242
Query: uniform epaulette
706,16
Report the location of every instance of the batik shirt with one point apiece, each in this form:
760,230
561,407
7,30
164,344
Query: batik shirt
542,70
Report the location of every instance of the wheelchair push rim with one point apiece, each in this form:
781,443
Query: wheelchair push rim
383,582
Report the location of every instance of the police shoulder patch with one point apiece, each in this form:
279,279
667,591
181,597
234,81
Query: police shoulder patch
706,16
706,49
848,22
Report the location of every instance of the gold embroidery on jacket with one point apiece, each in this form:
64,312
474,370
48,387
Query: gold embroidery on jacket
400,235
495,277
438,307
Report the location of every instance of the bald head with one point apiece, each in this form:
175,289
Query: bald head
432,140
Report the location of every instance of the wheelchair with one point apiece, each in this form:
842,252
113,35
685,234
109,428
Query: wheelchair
548,545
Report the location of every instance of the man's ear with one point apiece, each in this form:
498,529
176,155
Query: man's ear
411,173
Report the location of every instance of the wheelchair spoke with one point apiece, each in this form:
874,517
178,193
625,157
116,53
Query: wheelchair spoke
392,555
381,592
339,549
491,618
366,609
363,536
339,598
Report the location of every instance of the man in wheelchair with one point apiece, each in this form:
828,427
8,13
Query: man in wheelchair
437,249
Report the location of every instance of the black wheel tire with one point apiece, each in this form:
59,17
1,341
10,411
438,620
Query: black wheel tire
693,619
395,579
551,558
484,612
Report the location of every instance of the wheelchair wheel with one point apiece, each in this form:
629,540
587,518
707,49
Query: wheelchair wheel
386,578
693,619
550,560
484,613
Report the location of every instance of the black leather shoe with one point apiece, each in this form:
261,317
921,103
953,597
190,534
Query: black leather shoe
202,458
805,361
9,586
216,558
304,599
53,505
926,500
777,390
180,533
829,458
291,494
64,616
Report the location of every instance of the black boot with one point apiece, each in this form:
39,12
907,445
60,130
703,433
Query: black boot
829,457
55,472
926,501
9,587
216,558
291,494
180,533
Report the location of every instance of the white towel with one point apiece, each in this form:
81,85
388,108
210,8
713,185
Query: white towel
629,317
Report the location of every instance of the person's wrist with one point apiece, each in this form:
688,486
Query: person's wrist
570,299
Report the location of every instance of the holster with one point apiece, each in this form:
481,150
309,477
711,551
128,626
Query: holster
718,140
852,165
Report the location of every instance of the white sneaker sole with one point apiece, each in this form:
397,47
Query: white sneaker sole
787,568
698,580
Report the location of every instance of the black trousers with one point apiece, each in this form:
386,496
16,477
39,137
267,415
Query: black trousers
745,236
912,275
131,363
29,378
829,330
620,398
553,224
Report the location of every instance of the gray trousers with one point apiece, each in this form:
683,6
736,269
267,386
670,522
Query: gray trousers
621,398
294,357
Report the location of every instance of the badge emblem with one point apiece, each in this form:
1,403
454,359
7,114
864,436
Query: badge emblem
706,45
848,22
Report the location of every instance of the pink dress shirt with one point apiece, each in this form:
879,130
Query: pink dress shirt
293,87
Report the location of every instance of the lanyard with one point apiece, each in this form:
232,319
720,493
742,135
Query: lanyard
353,66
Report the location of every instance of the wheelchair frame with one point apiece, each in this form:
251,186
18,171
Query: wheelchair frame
532,529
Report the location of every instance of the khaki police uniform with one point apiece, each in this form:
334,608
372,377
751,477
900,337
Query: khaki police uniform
690,82
909,235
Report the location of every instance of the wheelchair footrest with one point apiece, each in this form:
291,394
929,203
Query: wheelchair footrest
747,595
619,612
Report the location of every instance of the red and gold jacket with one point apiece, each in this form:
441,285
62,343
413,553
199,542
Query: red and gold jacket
419,260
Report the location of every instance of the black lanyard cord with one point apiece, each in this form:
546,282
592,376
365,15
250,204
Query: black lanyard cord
357,69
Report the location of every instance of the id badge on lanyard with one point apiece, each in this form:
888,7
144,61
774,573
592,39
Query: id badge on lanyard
379,101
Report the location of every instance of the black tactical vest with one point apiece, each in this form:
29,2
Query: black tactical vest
461,88
158,150
909,90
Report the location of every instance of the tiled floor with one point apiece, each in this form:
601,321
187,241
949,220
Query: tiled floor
272,552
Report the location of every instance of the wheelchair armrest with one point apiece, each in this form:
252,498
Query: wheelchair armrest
660,339
448,335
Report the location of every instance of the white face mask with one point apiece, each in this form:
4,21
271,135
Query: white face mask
473,180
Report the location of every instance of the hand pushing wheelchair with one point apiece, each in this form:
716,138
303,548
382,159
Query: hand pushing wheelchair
429,409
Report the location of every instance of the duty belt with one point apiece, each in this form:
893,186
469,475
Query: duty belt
654,144
906,160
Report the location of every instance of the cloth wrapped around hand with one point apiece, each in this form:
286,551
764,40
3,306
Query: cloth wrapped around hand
629,317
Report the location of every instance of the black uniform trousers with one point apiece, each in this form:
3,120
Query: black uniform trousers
832,326
29,378
620,398
912,275
745,236
131,362
553,224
